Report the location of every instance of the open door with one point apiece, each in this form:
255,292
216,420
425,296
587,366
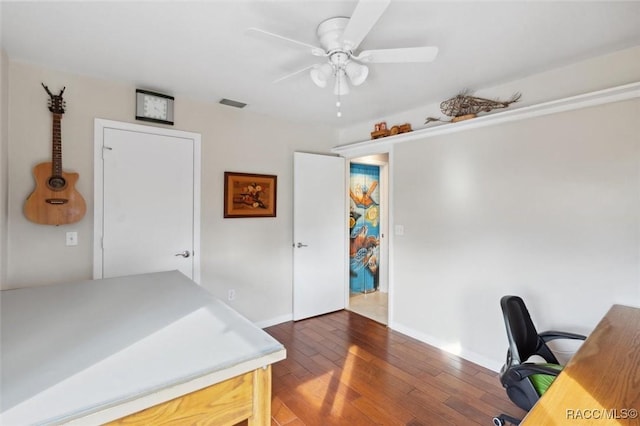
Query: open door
319,234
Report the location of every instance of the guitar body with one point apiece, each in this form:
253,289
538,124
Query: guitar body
54,202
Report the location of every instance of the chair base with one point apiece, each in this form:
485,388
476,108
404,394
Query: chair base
502,420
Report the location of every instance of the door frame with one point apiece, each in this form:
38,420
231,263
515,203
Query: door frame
98,185
390,234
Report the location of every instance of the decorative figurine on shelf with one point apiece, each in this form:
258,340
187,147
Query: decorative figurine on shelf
463,107
381,130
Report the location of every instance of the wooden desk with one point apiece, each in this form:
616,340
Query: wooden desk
601,383
157,345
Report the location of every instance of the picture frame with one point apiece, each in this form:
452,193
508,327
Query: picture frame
249,195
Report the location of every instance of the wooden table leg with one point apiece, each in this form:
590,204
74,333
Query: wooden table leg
261,397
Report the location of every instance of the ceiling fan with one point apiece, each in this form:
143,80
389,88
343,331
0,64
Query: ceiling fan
339,39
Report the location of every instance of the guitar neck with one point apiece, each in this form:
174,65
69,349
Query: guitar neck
56,146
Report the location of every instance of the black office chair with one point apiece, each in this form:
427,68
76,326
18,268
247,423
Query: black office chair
526,381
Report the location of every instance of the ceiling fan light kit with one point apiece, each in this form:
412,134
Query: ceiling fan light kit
356,72
340,38
338,66
320,74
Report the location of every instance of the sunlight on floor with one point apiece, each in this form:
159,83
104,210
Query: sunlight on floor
321,390
329,393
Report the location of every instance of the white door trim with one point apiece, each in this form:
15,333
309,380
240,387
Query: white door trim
390,222
98,184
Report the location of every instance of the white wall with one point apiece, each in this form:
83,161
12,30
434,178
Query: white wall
4,165
547,208
253,256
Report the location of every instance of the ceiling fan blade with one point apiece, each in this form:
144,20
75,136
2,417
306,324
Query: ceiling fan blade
284,77
364,17
403,54
266,35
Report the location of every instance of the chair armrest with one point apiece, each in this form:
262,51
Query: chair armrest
525,370
547,336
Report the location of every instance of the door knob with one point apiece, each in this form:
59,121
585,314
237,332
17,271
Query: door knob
184,254
301,245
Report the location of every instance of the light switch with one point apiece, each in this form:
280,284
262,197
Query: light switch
399,229
72,238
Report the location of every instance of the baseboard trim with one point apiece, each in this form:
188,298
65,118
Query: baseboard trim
274,321
471,356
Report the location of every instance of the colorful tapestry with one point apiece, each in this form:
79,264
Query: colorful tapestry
364,226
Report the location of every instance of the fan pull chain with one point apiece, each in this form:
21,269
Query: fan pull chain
339,101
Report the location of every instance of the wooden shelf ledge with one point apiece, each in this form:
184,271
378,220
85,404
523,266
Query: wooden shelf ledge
614,94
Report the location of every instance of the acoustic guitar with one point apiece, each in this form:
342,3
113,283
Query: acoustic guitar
55,201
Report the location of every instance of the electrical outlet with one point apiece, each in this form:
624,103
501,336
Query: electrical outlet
232,295
72,238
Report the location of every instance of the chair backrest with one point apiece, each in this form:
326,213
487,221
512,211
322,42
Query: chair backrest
524,341
522,334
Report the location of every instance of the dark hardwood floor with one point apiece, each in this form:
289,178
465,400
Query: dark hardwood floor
344,369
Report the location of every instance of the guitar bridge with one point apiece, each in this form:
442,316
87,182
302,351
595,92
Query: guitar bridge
57,201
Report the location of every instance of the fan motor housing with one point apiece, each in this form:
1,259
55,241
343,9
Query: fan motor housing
330,31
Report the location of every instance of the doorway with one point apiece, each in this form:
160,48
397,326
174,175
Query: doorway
368,242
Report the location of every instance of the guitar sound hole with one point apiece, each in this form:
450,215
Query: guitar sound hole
57,182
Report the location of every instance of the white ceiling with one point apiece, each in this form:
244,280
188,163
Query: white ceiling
199,50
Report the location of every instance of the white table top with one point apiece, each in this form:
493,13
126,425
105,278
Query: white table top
94,351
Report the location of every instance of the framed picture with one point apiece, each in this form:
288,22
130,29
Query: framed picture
249,195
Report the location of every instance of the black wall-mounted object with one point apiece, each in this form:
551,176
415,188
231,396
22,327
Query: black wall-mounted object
154,107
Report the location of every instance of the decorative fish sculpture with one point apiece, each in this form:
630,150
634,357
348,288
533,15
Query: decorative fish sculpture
464,105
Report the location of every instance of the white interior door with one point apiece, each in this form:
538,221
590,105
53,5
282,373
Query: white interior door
319,232
148,200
